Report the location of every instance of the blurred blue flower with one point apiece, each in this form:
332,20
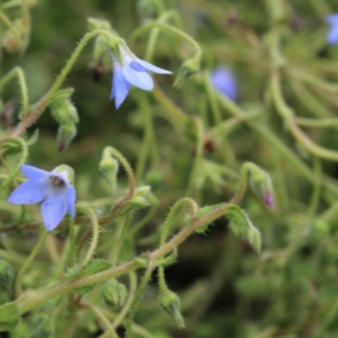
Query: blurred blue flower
50,188
332,35
130,70
225,82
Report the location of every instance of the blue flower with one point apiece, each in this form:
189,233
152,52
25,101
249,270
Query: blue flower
332,35
225,82
50,188
130,70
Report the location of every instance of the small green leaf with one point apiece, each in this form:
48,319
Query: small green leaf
242,226
114,293
94,266
33,139
9,316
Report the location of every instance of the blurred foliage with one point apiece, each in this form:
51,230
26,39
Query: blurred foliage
282,62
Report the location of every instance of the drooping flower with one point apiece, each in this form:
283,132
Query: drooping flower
130,70
50,188
225,82
332,35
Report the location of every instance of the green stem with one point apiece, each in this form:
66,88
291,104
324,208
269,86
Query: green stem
317,175
25,303
9,24
138,297
44,101
149,141
28,262
198,154
317,123
166,27
18,72
103,319
131,177
121,239
95,236
176,113
72,248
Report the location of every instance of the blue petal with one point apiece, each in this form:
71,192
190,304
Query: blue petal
332,19
141,80
121,87
142,66
332,36
29,192
71,197
225,82
32,172
54,208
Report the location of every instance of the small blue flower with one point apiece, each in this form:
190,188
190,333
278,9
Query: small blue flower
50,188
332,35
130,70
225,82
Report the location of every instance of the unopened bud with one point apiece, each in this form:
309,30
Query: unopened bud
140,199
109,166
94,23
260,183
66,134
171,303
114,293
189,68
146,8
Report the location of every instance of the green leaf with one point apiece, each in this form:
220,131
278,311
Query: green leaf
9,316
93,267
242,226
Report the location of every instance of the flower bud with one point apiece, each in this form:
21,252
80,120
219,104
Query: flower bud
189,68
140,199
260,183
66,134
114,293
147,8
94,23
109,166
171,304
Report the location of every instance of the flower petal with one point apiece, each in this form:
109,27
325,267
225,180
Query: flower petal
332,19
332,35
225,82
54,208
29,192
71,197
142,66
121,87
32,172
140,80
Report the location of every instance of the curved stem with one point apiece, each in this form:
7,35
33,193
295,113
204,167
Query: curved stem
28,262
18,72
95,238
138,297
167,27
127,167
104,320
121,239
198,154
44,101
